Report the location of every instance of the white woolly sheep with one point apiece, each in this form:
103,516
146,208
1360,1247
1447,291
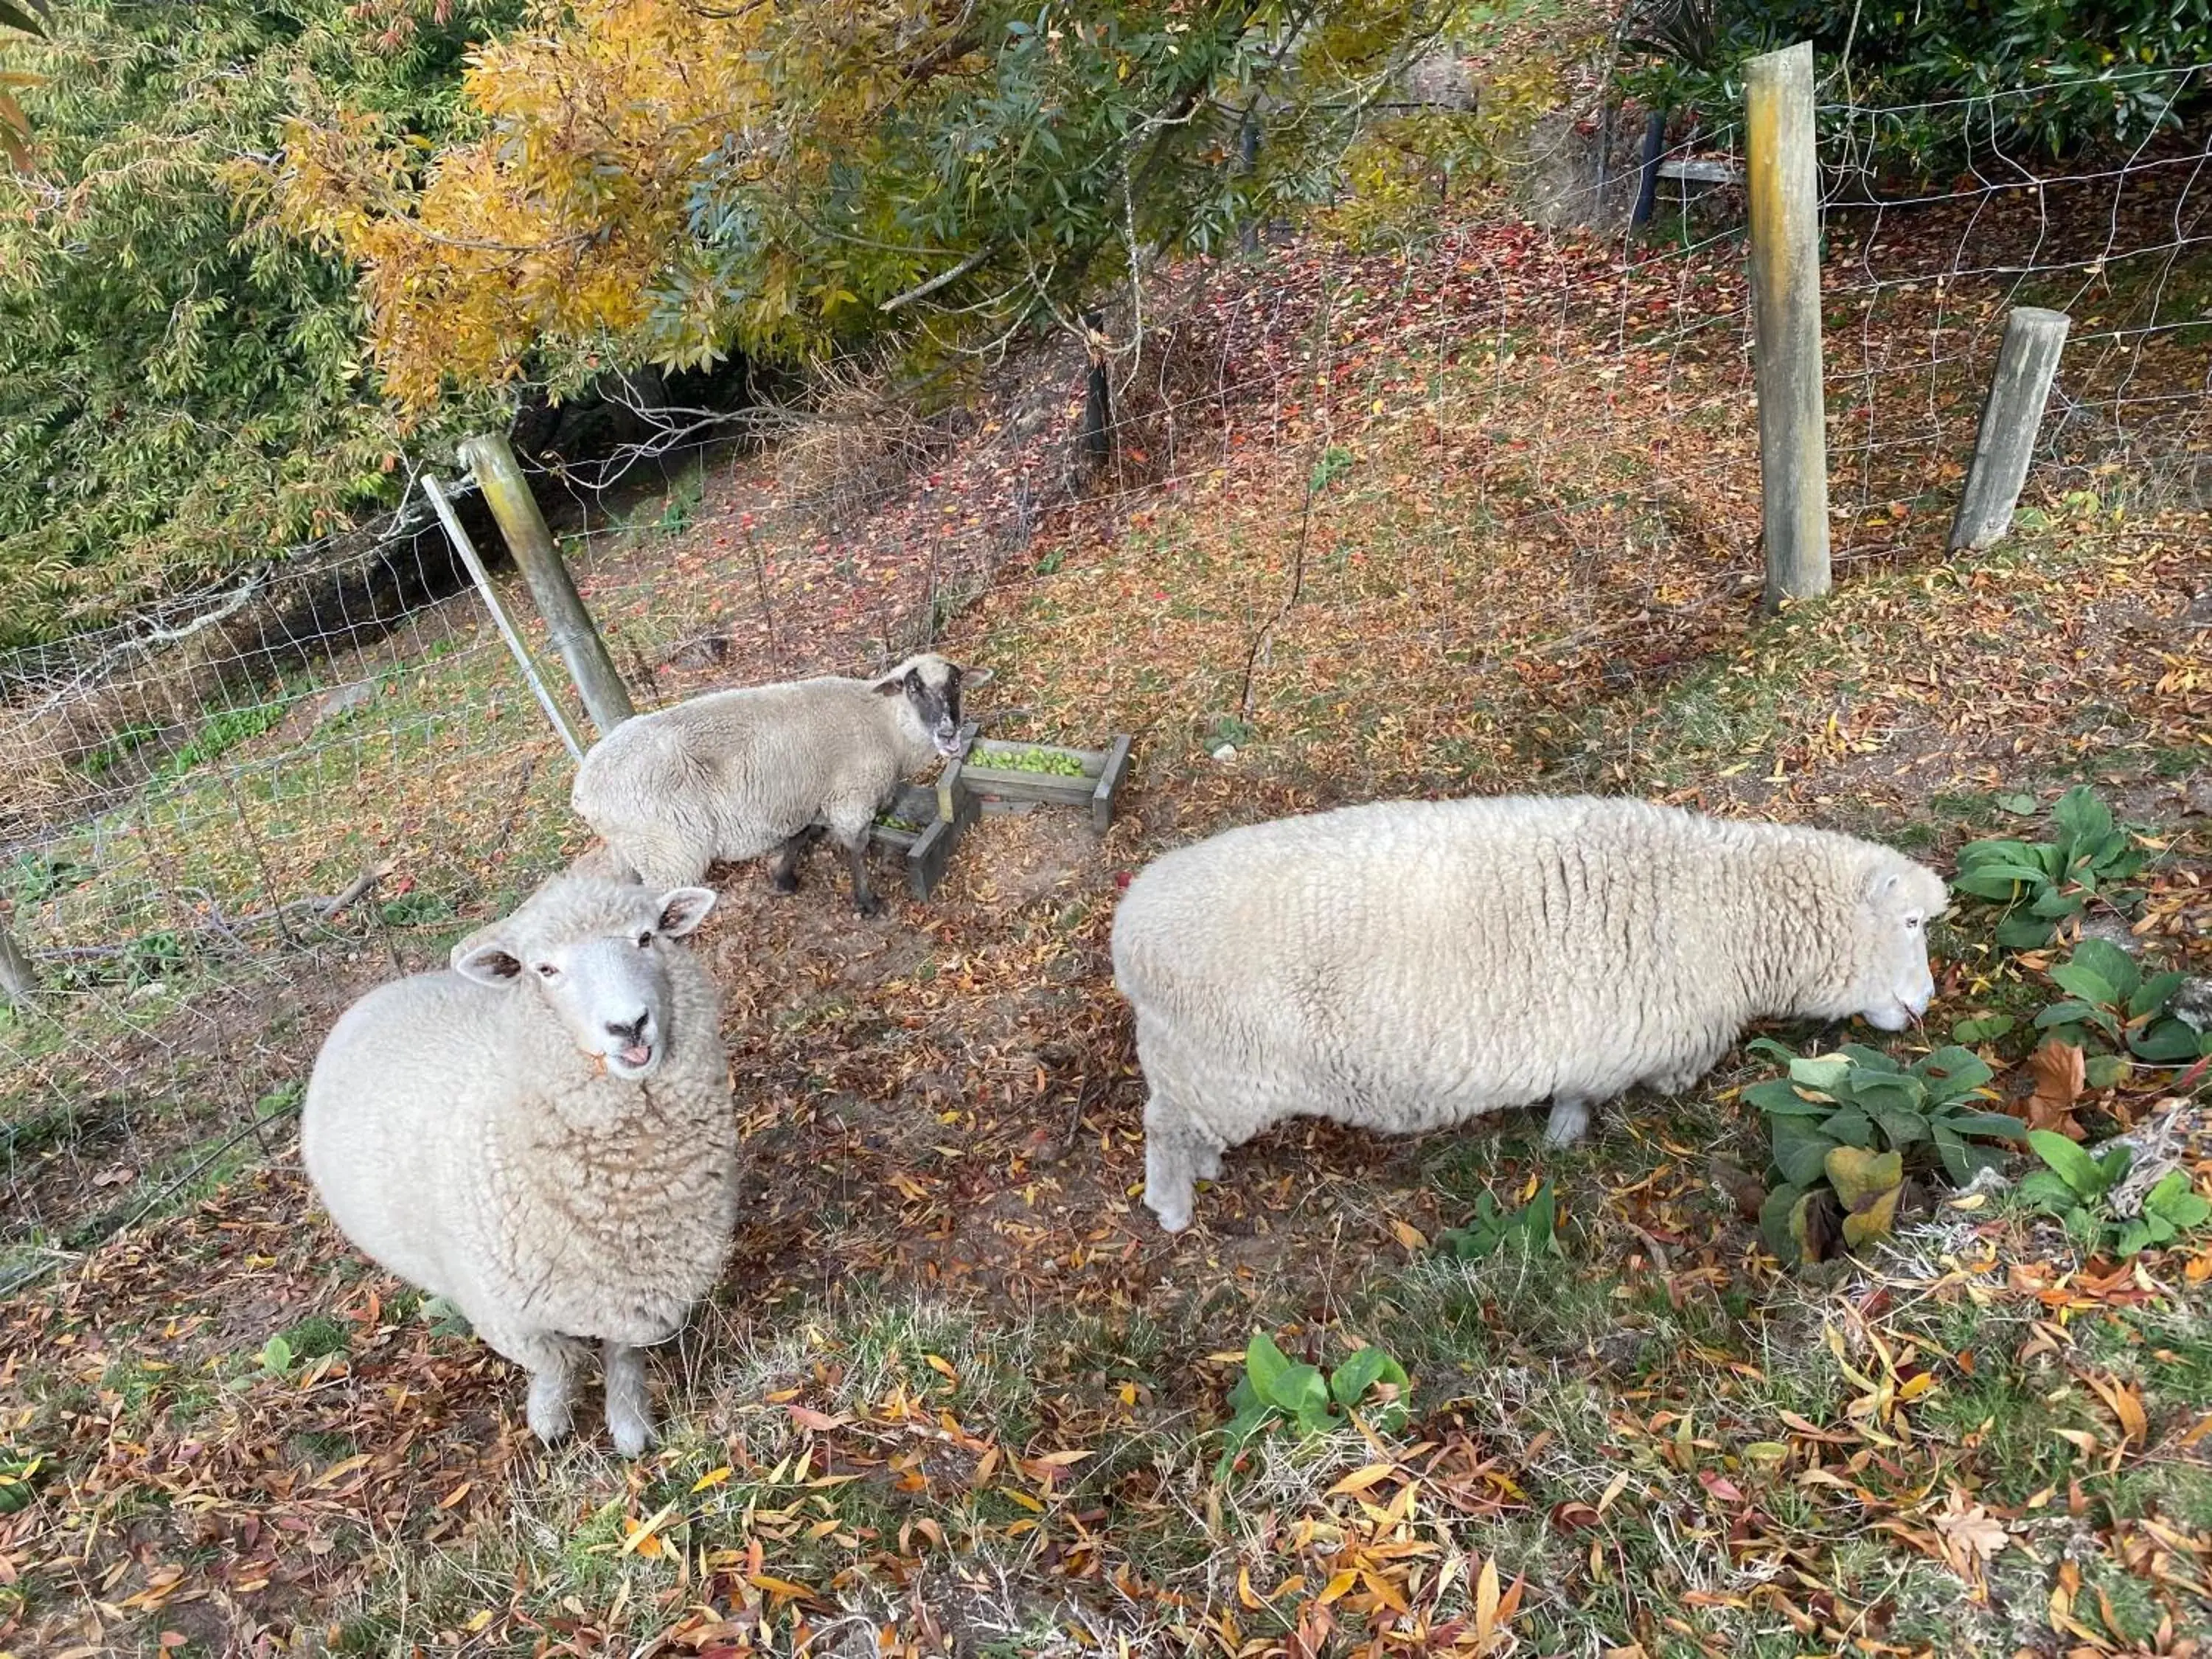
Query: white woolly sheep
738,774
541,1135
1413,965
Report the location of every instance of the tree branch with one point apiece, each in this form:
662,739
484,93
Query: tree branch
943,279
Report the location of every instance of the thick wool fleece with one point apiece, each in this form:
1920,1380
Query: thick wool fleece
735,774
457,1137
1410,965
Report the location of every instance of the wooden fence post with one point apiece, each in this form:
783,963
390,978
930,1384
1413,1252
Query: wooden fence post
19,981
606,699
2027,362
1098,400
466,549
1785,279
1647,169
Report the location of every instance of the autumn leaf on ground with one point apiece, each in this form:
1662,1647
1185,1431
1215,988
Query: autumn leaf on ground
2060,1075
1971,1535
1870,1185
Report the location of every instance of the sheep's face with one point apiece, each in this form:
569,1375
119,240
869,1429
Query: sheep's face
1895,986
932,687
601,966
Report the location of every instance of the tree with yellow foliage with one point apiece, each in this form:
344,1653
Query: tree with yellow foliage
673,181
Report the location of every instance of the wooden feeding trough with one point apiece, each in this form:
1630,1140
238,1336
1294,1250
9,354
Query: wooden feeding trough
923,834
924,822
1011,777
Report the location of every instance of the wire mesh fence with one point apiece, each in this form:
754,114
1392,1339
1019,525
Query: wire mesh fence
224,820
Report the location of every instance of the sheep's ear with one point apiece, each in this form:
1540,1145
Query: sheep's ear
486,960
972,677
1882,884
891,685
683,909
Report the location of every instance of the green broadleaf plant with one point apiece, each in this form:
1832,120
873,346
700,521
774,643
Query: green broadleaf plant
2109,995
2039,885
1533,1229
1849,1127
1277,1392
2076,1187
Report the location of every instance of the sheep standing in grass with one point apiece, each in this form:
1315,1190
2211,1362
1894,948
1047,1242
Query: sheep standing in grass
738,774
1413,965
541,1135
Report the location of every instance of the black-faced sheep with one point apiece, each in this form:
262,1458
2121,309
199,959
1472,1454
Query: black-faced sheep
738,775
542,1135
1411,965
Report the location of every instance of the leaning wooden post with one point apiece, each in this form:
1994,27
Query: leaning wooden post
2027,362
606,699
458,536
1785,281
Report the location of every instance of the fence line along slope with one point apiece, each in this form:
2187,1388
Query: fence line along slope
1476,511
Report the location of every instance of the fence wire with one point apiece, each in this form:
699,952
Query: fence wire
225,820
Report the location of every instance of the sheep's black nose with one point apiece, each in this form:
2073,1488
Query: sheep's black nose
632,1033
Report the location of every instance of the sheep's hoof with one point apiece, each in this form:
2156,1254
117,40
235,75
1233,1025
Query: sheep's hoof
784,881
867,907
631,1432
1174,1213
547,1410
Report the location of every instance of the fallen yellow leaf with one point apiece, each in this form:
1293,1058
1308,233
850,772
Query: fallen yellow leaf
1360,1480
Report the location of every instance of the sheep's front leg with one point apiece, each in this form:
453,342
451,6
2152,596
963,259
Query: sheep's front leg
1168,1187
629,1407
1568,1123
864,896
1177,1155
784,875
551,1362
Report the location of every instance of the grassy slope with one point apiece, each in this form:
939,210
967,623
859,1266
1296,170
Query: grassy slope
958,1386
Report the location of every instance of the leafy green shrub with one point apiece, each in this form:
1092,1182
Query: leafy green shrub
2054,74
1848,1129
1277,1392
2042,883
2109,992
2076,1187
443,1318
1532,1230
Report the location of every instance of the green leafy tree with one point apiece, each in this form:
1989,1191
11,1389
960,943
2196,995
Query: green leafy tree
26,17
178,394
